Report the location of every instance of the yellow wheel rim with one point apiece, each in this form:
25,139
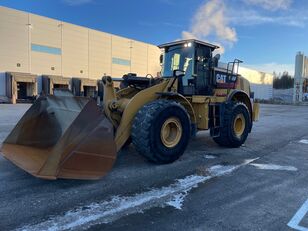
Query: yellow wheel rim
171,132
239,125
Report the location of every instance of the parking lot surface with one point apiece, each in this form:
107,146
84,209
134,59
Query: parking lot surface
260,186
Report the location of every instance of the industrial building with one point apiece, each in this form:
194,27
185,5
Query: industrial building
300,78
39,54
261,83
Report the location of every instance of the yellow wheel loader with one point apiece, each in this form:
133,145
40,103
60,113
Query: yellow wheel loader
72,137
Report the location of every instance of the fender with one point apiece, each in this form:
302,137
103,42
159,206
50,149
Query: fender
186,104
182,100
243,97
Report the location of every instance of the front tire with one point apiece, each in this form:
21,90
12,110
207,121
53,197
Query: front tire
236,126
161,131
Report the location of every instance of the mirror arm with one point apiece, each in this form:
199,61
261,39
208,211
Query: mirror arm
175,77
173,81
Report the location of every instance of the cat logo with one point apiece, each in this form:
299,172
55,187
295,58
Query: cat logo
221,78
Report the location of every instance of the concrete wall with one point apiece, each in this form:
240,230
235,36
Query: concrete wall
40,45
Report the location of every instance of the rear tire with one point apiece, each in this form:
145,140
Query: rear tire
161,131
236,126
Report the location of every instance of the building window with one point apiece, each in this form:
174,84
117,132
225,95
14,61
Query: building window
46,49
119,61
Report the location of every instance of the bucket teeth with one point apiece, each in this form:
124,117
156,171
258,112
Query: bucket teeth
62,137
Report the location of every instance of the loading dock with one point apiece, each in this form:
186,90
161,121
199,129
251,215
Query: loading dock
51,82
20,87
84,87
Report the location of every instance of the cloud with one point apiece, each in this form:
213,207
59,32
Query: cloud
273,67
286,15
77,2
210,21
215,20
252,17
271,5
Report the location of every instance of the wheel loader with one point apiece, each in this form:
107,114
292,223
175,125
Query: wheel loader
73,137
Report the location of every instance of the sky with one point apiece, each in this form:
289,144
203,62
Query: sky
265,34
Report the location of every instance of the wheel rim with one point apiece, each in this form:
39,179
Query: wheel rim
171,132
239,125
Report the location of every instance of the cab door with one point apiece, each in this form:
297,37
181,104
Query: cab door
203,73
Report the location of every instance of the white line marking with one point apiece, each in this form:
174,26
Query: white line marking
274,167
110,210
299,215
303,141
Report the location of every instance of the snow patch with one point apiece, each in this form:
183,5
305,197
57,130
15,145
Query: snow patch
118,206
303,141
209,157
108,211
177,200
219,170
274,167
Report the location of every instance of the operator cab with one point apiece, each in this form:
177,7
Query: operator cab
200,69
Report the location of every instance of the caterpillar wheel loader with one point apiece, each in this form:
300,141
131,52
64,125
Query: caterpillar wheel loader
72,137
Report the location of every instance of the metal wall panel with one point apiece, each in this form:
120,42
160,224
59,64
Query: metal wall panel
121,50
14,46
75,47
139,58
262,91
99,54
153,60
45,33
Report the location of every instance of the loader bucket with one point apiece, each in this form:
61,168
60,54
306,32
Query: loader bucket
62,137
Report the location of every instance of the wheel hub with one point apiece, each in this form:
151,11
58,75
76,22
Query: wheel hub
239,125
171,132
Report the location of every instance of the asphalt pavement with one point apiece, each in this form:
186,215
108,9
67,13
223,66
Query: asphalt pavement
260,186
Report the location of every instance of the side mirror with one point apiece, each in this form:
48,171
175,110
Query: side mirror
178,73
161,59
217,56
215,60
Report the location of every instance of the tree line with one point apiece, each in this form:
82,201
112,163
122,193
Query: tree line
283,81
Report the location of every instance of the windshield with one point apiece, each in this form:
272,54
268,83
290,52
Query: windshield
178,57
